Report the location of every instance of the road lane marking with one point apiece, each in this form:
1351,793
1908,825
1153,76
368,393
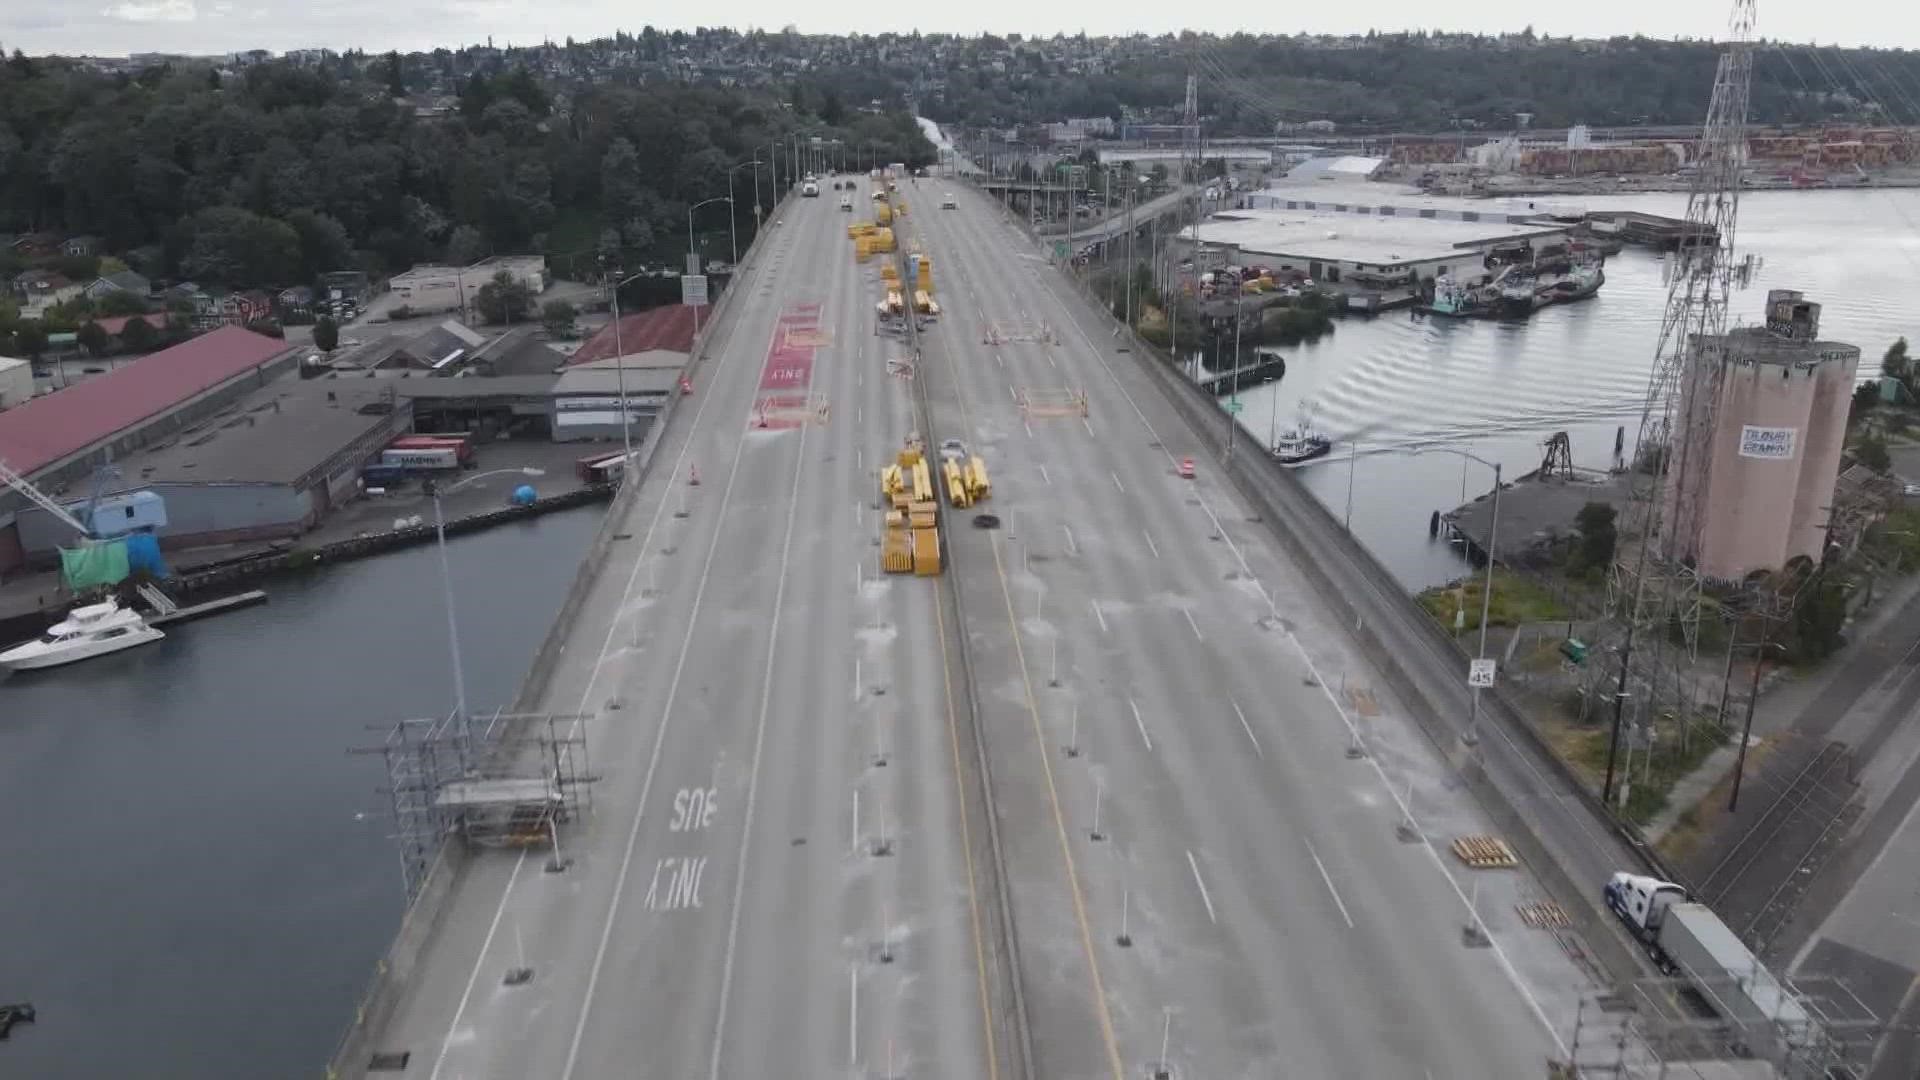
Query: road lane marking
1050,362
1328,879
966,839
1248,728
1029,428
1194,626
1116,481
1089,427
1044,478
759,745
667,719
1506,963
1072,549
1102,1012
593,678
1102,619
1151,546
1197,880
1139,723
853,1014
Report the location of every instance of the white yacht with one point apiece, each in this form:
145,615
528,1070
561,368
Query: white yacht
92,630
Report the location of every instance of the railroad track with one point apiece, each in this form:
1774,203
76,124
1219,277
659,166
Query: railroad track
1757,882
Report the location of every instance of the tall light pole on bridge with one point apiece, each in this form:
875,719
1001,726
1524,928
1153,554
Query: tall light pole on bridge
620,371
461,717
733,231
693,259
1472,734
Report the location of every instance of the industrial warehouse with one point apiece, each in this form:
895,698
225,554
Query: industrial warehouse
233,437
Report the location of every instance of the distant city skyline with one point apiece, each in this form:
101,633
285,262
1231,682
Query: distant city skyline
222,26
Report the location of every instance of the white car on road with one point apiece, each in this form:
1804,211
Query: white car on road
948,203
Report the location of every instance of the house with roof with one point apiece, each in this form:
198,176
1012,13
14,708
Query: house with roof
42,289
294,303
124,281
241,308
36,245
80,246
663,334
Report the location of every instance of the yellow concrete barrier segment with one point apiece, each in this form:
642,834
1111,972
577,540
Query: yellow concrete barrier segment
977,478
959,492
926,552
922,481
896,552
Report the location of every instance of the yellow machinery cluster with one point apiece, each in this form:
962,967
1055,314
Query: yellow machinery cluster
869,239
910,529
966,480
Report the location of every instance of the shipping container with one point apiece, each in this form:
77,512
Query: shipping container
438,457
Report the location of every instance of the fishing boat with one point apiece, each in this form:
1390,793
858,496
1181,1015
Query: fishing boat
1301,443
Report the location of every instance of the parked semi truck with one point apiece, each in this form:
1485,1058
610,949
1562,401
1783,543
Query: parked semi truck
1687,939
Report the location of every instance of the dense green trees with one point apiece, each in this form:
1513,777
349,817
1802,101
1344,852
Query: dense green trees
269,179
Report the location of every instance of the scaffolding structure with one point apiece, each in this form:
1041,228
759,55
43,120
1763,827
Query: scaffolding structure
509,781
1664,1029
1044,404
1017,331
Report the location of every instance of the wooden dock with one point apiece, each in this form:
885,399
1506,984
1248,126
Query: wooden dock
232,602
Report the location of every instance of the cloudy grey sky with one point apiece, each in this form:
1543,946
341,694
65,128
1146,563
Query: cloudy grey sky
117,27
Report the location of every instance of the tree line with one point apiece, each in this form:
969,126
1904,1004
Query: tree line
276,175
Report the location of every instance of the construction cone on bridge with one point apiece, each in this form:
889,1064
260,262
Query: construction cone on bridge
693,476
686,385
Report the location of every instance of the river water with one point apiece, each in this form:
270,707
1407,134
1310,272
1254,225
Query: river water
1500,389
198,879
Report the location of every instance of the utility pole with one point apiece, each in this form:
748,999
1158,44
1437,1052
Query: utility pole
1486,602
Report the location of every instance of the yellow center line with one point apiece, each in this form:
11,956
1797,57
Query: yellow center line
966,840
1053,792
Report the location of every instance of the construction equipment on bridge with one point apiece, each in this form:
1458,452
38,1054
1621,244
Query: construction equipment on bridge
883,214
1039,404
889,275
924,304
909,527
892,305
882,239
965,473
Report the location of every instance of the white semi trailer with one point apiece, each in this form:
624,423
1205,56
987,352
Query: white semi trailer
1686,938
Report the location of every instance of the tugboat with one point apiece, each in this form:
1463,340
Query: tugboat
1454,300
1301,443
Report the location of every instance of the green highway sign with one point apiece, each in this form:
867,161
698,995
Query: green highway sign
1235,407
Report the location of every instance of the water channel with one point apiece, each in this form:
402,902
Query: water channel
198,875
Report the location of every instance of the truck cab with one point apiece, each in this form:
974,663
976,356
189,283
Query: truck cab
1641,901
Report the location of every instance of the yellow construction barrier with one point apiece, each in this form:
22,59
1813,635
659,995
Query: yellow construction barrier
926,552
896,552
922,482
977,479
959,492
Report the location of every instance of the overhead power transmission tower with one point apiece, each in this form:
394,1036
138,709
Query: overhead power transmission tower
1654,591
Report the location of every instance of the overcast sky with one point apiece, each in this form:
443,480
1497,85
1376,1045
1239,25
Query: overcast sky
118,27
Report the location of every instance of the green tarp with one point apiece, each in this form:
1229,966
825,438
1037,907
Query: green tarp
103,563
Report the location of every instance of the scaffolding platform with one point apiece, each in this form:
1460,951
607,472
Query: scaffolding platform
1018,331
504,780
1044,404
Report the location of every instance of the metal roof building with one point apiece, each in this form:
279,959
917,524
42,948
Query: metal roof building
57,439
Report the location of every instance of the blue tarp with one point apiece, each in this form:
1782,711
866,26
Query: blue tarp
143,555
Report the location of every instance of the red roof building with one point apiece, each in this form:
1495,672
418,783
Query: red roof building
53,427
114,325
669,328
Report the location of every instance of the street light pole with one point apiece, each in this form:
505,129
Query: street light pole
733,230
461,716
691,255
1486,603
